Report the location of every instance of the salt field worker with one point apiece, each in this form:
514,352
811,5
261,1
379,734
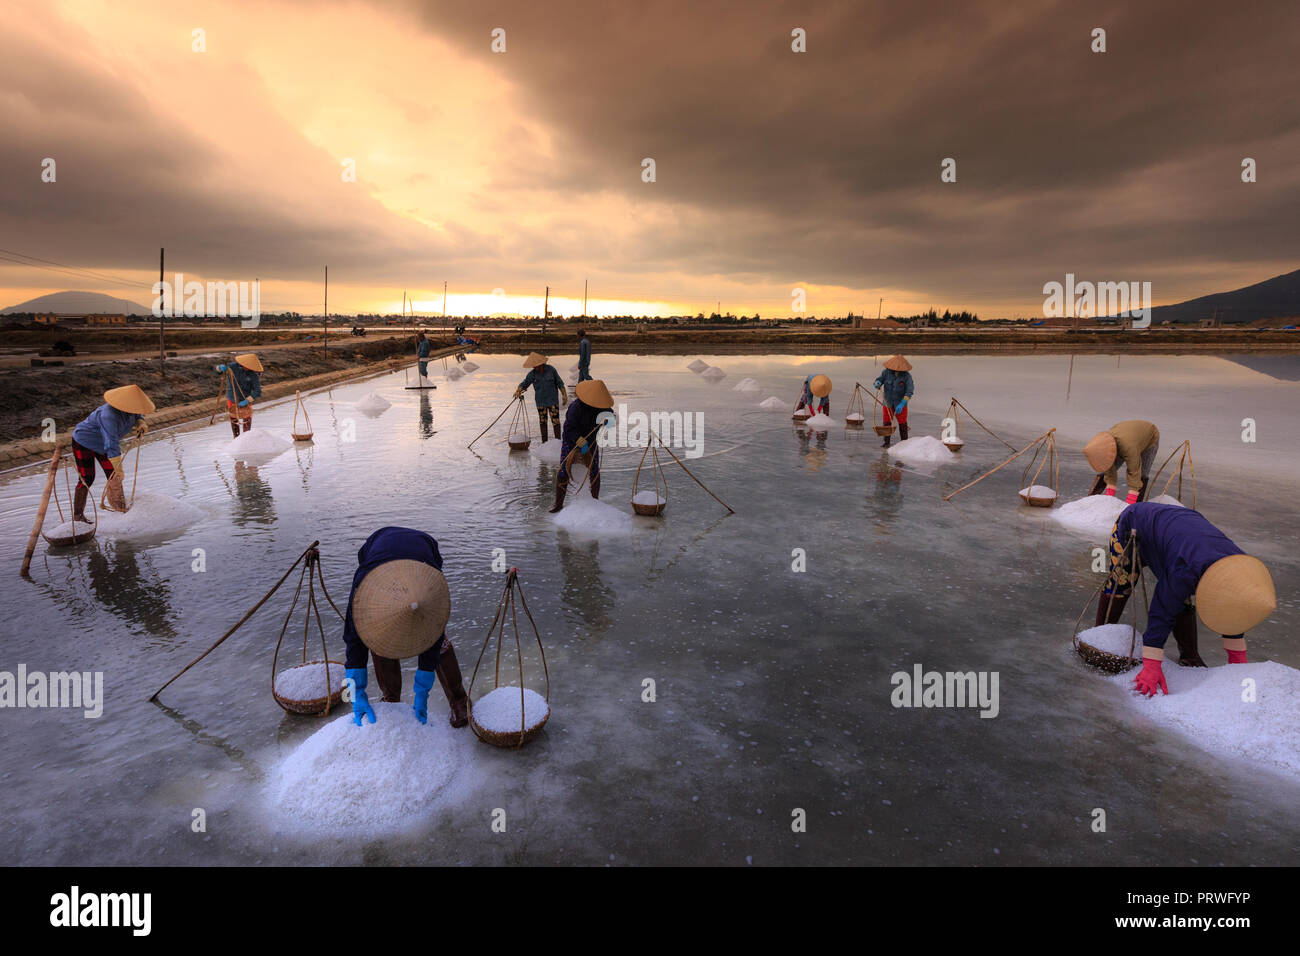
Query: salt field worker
98,438
1199,572
584,356
548,391
578,442
399,608
422,349
815,395
243,378
896,381
1134,443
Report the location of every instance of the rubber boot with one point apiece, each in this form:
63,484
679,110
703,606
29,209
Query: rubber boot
248,423
448,671
388,672
546,431
79,502
1142,496
902,431
595,485
885,443
1185,634
234,426
1099,485
1115,606
561,489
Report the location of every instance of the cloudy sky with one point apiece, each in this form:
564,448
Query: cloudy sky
774,170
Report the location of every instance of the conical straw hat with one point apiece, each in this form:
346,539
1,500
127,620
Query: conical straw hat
820,386
1101,451
1235,594
534,359
401,608
594,393
249,360
129,398
898,364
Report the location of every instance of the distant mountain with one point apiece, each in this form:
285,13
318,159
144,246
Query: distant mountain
1275,298
78,303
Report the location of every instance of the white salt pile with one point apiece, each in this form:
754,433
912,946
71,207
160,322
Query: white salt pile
698,366
1038,491
257,442
376,778
1167,500
454,373
1094,515
573,369
307,681
468,366
69,528
820,421
925,448
374,403
953,441
547,451
855,417
1113,639
151,516
745,385
1238,711
648,498
498,710
585,515
772,404
713,373
517,437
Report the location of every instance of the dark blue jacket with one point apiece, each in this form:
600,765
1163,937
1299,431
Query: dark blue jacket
546,383
579,422
246,383
896,385
584,353
103,429
423,349
390,544
1178,545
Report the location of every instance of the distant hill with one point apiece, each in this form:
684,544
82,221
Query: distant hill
1275,298
78,303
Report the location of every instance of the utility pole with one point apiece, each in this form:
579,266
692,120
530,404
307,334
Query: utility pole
546,307
584,298
162,348
444,306
325,341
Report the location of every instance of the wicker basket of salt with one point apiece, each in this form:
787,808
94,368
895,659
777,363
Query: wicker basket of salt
1034,494
1038,496
509,715
302,689
953,442
519,442
519,437
1113,648
800,416
66,534
650,502
880,427
304,433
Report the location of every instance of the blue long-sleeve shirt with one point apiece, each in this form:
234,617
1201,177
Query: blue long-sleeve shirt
103,429
246,383
897,385
546,383
584,354
423,349
1178,545
390,544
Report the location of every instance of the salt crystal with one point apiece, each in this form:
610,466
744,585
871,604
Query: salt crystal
68,529
1167,500
1094,515
374,403
547,451
820,420
772,404
586,515
925,448
518,437
1038,491
307,681
648,498
1112,639
498,710
854,417
257,442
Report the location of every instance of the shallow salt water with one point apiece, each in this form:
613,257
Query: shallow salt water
771,687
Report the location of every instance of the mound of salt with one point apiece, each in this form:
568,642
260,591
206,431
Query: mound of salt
374,403
1094,515
925,448
585,515
696,366
745,385
468,366
772,404
307,681
379,777
1205,706
820,420
1037,491
1113,639
713,373
257,442
518,437
498,710
1167,500
855,417
573,369
151,515
648,498
454,373
547,451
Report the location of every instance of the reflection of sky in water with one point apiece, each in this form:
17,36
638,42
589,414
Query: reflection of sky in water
772,686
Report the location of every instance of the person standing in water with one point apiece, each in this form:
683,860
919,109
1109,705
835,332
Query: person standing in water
815,395
579,437
1135,444
98,437
1199,572
548,392
584,356
422,349
896,381
243,377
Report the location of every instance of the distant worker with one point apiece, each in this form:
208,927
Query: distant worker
1199,572
398,608
422,349
548,392
98,437
896,380
243,378
579,437
1134,443
815,395
584,356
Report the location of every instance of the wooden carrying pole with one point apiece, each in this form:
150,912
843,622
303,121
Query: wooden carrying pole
50,477
956,402
1041,438
730,509
509,405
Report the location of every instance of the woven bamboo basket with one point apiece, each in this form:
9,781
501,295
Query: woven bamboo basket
800,416
880,427
519,438
522,445
78,537
1047,449
954,445
855,414
857,424
316,706
305,433
1038,501
955,442
506,607
1104,660
660,481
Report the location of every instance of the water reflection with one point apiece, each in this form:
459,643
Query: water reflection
253,499
124,581
585,592
887,492
426,417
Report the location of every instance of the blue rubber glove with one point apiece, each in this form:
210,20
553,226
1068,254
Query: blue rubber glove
423,684
244,403
582,446
360,703
218,368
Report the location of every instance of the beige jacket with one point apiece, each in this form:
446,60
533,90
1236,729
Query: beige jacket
1132,438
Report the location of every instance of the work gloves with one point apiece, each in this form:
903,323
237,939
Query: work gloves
1236,657
141,428
117,466
1131,498
519,391
1150,678
245,403
218,368
423,684
901,405
360,703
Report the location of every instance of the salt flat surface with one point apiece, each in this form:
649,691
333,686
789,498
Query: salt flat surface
380,777
258,443
307,681
498,710
1093,515
1205,706
923,448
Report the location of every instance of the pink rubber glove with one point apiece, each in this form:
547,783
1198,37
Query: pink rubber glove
1151,676
1236,657
1110,490
1131,498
